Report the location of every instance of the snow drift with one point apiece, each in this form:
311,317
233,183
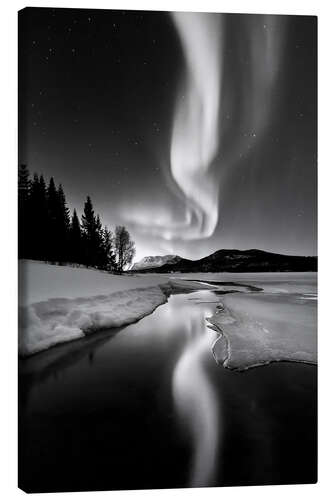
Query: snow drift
54,321
61,303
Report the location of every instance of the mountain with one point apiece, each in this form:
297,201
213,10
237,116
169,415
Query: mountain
232,261
152,262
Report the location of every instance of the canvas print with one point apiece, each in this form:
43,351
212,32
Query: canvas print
167,206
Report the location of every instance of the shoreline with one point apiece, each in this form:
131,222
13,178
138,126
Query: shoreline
116,310
256,326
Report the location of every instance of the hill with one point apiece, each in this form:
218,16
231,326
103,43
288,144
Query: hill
238,261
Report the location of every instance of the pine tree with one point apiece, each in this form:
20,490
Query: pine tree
63,225
47,232
23,214
52,230
33,217
101,260
43,219
23,183
75,240
37,218
89,233
109,257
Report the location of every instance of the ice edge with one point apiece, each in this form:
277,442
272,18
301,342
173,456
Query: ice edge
222,335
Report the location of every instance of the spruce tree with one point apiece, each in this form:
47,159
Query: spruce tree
89,233
63,225
53,226
43,219
37,218
23,183
99,253
47,232
109,258
75,240
33,217
23,212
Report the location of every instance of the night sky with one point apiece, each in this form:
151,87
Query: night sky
107,105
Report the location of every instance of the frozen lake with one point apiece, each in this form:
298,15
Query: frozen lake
148,406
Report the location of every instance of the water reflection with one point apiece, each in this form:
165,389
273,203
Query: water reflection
196,400
41,367
154,388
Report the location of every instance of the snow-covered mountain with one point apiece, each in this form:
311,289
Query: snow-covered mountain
229,260
155,261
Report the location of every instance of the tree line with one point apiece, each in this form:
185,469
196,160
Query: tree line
49,232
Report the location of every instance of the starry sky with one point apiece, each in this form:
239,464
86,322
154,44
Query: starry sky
105,102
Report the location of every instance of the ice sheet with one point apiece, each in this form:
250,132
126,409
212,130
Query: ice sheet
259,328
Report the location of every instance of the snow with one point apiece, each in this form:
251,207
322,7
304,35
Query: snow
53,321
258,328
40,281
154,261
61,303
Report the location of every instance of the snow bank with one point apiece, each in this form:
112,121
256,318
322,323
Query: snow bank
61,303
257,329
45,324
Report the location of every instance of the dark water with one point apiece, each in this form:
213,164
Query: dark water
147,407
